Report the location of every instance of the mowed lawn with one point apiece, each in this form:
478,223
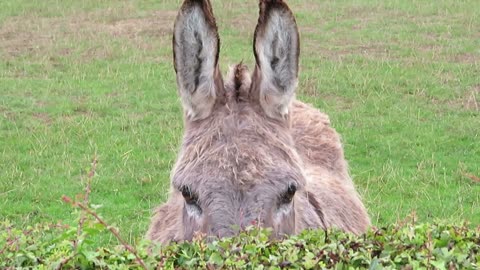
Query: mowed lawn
400,81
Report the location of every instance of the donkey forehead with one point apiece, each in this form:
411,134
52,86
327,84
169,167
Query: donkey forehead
237,147
237,183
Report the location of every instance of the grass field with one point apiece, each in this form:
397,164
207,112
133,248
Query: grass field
399,79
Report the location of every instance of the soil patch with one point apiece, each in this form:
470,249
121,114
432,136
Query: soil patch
37,35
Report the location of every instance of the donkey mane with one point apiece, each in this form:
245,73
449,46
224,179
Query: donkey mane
238,83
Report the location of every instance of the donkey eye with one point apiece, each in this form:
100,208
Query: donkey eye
188,195
289,193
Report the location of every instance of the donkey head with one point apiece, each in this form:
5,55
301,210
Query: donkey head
238,164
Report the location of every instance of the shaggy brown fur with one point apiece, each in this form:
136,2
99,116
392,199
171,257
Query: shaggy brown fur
255,155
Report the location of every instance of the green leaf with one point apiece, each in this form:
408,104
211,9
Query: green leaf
216,259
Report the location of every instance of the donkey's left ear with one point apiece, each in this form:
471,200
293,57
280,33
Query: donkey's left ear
276,48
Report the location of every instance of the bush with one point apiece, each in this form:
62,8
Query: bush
409,245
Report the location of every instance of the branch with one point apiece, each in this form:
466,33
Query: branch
472,177
83,216
88,189
112,229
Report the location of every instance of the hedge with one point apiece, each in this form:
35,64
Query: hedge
406,245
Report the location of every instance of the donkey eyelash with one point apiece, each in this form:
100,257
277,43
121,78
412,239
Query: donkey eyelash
288,195
190,197
191,200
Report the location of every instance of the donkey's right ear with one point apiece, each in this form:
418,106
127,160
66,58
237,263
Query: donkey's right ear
195,52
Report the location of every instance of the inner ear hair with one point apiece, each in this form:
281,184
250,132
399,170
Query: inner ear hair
277,50
196,49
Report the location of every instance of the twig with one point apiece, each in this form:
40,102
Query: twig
110,228
11,242
472,177
65,261
88,189
83,216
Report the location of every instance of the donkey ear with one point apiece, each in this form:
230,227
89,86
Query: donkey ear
276,48
195,52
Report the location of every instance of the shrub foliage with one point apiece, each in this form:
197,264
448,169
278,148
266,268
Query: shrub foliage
405,245
409,245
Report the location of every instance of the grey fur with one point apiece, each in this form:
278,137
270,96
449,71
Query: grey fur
239,160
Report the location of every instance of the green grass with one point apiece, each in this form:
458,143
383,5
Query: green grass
399,81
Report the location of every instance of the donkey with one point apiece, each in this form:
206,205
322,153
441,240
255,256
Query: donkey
251,153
